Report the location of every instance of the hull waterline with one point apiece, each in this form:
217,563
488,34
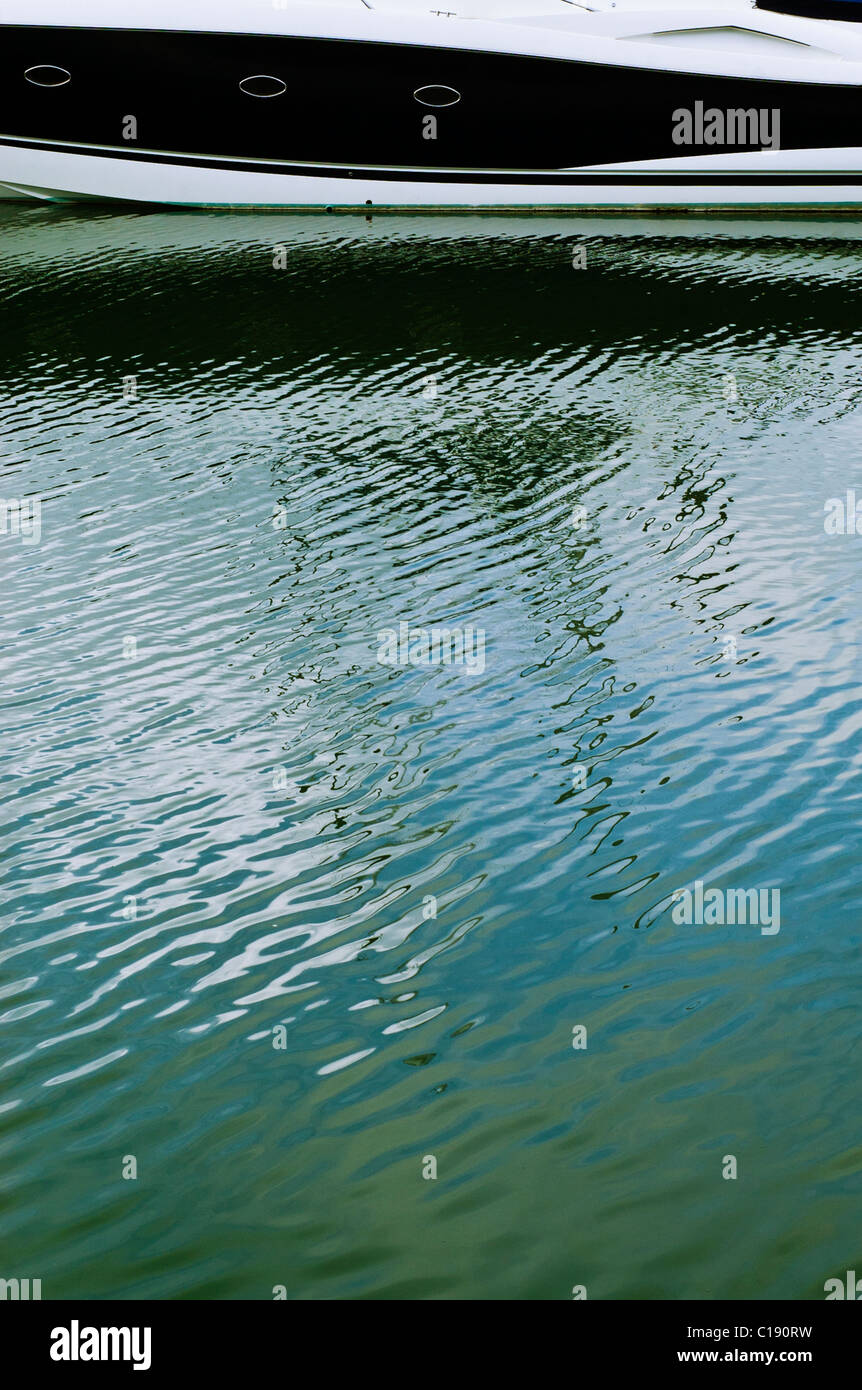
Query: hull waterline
71,177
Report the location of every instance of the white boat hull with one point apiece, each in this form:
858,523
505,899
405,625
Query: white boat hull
54,176
525,107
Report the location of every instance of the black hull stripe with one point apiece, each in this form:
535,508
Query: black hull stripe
571,178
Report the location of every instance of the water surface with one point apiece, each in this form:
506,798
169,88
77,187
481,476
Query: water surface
260,441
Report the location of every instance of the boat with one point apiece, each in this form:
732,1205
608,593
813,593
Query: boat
516,105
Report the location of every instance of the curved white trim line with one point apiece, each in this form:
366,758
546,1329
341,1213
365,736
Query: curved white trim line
48,67
281,86
60,175
436,87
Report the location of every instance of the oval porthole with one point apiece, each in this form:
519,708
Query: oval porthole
437,96
262,86
46,75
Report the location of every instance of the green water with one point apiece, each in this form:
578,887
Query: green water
229,826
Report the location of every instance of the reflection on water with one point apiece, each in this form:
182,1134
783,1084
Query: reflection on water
284,921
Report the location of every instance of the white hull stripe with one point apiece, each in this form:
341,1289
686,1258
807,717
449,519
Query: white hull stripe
527,177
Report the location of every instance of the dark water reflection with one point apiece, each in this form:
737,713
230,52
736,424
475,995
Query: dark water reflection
225,817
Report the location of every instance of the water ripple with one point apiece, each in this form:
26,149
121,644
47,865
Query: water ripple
284,922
